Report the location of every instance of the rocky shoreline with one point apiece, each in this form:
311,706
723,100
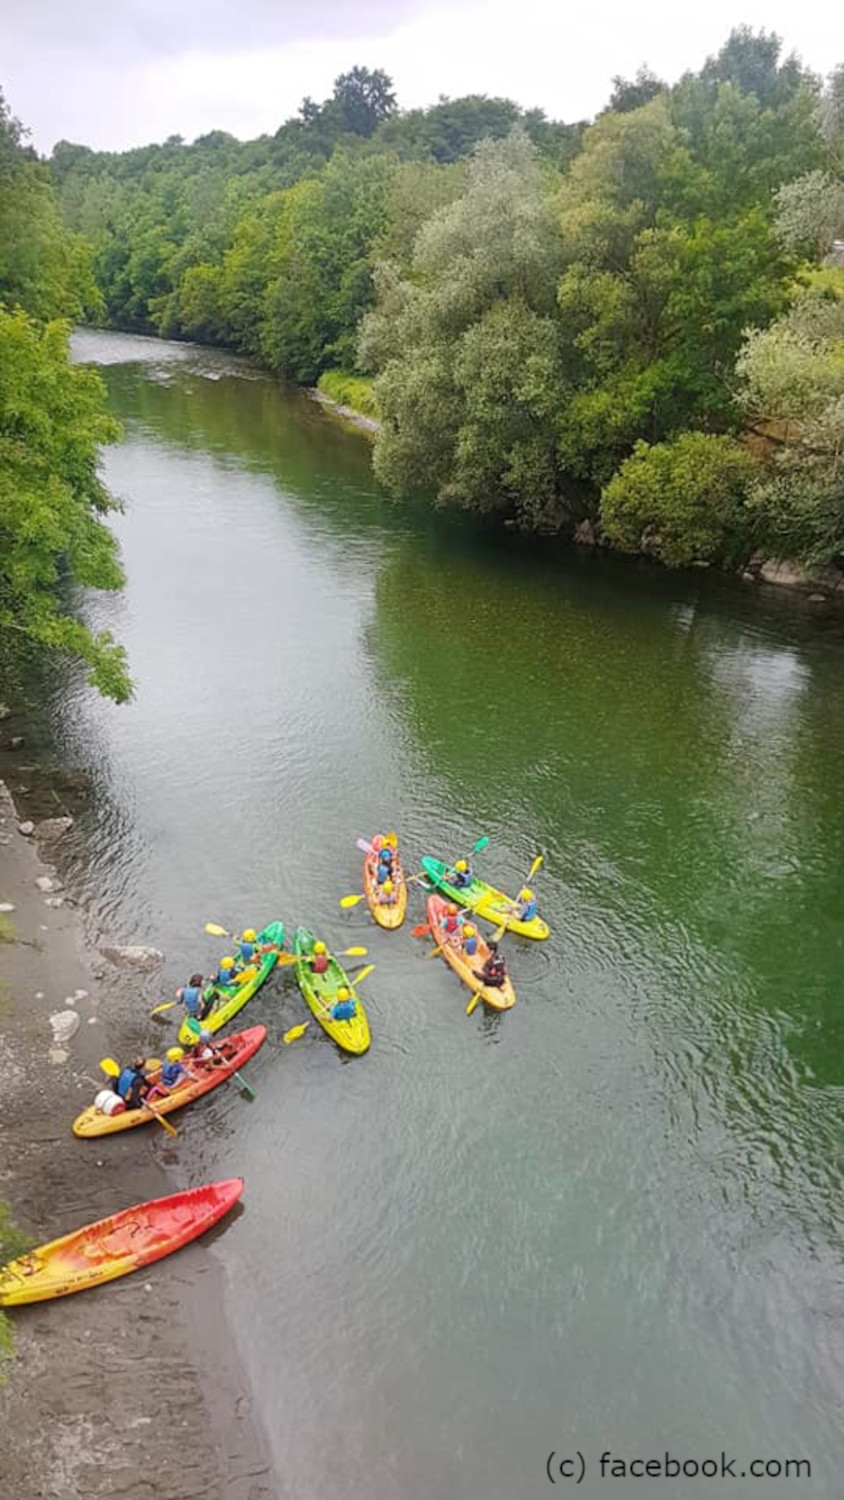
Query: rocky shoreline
135,1386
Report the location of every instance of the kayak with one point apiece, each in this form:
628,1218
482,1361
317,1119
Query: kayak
115,1246
231,1053
387,913
228,999
320,991
451,948
484,899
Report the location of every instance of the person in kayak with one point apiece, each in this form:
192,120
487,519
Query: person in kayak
450,923
344,1008
470,941
132,1085
385,864
173,1071
525,905
248,945
226,972
192,996
494,971
387,894
319,959
463,875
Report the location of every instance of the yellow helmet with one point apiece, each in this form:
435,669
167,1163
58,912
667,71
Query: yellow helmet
468,931
388,886
391,840
461,865
226,963
175,1054
343,994
526,895
249,935
319,947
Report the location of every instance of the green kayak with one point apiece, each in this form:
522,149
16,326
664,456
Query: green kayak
320,991
227,999
483,899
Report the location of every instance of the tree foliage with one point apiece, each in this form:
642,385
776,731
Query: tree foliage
683,501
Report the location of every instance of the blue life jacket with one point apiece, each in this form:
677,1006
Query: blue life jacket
384,873
225,976
343,1010
171,1072
470,944
527,911
124,1083
191,996
462,878
246,951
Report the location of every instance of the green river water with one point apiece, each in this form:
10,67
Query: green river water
610,1219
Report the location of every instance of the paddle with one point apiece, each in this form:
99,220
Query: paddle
286,959
364,973
195,1028
167,1005
500,931
113,1070
295,1032
476,996
421,930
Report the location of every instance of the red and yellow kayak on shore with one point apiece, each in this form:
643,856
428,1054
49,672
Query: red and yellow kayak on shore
388,913
113,1247
230,1053
451,948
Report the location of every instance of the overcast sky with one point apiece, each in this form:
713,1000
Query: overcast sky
117,73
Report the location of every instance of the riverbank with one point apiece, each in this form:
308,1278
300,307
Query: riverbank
137,1385
370,425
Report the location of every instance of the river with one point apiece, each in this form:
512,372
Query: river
610,1219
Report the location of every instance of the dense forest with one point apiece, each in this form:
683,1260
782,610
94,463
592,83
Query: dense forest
626,322
631,328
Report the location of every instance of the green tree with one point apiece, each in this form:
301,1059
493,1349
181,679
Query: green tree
683,501
632,93
810,214
52,502
793,374
364,99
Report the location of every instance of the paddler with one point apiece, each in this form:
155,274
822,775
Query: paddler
344,1008
173,1071
525,905
192,996
494,971
450,922
385,864
470,941
319,959
132,1085
387,895
248,945
463,875
226,972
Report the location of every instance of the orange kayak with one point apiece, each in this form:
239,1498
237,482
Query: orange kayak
115,1246
230,1053
451,948
387,912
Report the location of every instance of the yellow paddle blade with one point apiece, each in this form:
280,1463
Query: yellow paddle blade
110,1067
287,958
473,1002
354,953
245,975
160,1009
540,858
153,1063
215,930
165,1124
363,973
295,1032
348,901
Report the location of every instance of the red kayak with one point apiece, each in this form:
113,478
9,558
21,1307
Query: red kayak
115,1246
227,1056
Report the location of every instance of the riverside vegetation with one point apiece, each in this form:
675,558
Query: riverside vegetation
628,323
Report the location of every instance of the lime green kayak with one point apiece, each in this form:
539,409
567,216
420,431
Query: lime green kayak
485,900
320,991
227,999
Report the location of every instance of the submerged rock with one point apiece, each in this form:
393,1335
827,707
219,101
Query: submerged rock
4,710
48,883
134,956
6,906
26,828
65,1024
16,741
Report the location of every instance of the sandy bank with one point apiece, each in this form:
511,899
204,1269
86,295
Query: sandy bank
134,1387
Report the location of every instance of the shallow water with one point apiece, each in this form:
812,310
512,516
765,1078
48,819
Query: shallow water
609,1220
